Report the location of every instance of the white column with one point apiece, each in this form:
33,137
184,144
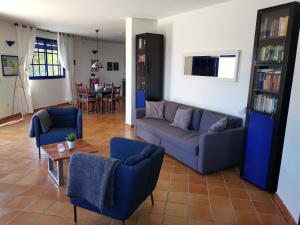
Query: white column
133,27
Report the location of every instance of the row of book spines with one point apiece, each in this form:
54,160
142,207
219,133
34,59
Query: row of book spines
265,103
274,28
272,53
268,81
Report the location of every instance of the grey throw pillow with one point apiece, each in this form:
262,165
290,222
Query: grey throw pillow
45,120
219,125
182,118
155,110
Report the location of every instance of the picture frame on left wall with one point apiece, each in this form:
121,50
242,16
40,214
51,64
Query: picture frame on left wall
9,65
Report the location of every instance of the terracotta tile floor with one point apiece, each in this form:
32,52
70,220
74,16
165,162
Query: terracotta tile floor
182,197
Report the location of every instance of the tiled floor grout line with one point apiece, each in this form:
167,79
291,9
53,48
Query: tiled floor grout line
257,214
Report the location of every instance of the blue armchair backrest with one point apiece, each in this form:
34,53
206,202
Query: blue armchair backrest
63,117
134,184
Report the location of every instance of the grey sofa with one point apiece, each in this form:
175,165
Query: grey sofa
198,148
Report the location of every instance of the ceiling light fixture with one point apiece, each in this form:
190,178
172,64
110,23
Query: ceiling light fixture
97,64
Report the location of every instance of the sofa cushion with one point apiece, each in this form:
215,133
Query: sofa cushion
182,118
145,153
155,110
56,134
186,140
219,125
196,116
208,119
170,110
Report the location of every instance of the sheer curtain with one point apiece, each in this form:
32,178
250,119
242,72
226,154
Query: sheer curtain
26,37
65,45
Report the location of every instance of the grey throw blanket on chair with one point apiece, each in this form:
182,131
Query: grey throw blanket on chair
91,178
45,121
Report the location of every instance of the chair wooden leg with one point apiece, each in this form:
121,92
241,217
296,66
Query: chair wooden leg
152,200
75,214
123,222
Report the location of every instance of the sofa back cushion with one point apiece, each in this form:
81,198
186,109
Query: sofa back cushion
208,119
170,110
196,116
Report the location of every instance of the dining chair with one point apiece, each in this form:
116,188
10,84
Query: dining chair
78,89
86,100
111,100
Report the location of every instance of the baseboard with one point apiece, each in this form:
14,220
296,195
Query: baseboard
18,115
284,210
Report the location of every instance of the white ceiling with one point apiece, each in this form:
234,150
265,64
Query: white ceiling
82,17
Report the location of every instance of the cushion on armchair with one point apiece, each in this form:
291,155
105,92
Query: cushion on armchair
135,159
45,120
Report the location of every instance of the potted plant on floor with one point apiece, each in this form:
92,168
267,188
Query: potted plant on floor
71,140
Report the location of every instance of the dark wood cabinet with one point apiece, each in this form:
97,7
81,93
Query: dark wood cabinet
149,68
274,53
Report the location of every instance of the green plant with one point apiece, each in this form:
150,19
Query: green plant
71,137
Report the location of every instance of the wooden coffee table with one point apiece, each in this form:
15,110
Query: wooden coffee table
55,156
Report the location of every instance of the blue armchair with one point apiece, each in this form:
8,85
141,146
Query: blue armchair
133,184
65,121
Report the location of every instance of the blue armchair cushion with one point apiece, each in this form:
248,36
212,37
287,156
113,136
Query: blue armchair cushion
145,153
56,134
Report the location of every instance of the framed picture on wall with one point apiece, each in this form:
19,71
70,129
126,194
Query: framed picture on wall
109,66
9,65
94,69
116,66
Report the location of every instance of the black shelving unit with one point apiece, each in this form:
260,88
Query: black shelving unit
149,68
274,53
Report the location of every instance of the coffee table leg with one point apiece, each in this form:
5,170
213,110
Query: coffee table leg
58,176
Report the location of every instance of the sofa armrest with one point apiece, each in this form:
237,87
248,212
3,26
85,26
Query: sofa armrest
79,124
219,150
140,113
122,148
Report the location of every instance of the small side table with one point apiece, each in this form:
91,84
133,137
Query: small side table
55,156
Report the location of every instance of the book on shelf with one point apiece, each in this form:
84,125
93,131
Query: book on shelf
274,27
264,103
272,53
268,79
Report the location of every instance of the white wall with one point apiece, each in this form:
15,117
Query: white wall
289,182
44,92
109,52
7,32
226,26
134,26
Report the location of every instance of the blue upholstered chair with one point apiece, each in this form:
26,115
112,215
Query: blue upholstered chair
64,120
133,184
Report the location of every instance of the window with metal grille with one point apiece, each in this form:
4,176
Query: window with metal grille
45,62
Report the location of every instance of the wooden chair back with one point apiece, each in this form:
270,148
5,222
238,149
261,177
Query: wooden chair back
115,92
